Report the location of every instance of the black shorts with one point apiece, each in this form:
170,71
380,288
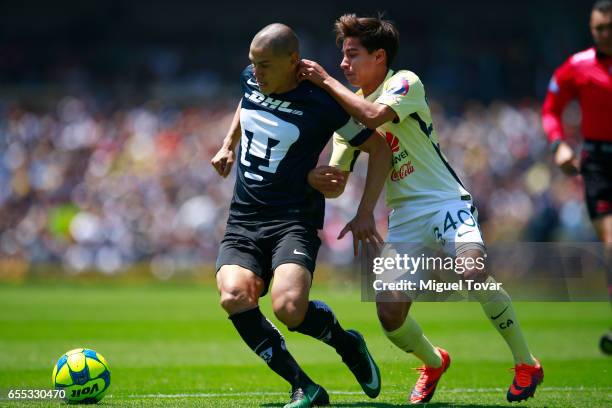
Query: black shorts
261,246
596,169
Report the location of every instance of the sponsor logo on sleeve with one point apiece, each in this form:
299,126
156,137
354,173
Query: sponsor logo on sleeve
399,87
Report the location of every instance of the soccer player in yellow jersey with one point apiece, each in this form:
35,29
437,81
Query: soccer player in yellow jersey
429,203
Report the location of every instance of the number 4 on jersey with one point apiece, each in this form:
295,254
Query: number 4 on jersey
463,216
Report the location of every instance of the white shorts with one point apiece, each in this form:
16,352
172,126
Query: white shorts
432,239
451,227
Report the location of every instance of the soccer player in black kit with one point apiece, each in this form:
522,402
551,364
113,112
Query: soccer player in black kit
282,127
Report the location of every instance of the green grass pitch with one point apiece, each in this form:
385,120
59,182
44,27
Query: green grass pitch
171,345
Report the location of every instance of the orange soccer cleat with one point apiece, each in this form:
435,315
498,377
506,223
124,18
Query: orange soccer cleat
526,380
426,385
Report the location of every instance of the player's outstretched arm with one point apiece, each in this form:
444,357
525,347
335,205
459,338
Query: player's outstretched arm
369,114
363,226
328,180
563,154
224,159
561,91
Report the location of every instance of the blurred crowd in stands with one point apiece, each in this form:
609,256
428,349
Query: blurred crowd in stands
92,187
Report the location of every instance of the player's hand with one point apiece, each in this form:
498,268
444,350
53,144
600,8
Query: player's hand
566,159
363,228
311,71
326,179
223,161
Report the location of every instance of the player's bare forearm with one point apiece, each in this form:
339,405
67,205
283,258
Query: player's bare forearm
363,225
369,114
379,164
224,158
233,134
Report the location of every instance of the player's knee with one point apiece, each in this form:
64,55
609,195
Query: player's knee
391,315
235,299
289,310
476,274
472,265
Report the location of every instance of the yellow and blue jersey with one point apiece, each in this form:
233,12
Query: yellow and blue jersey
420,174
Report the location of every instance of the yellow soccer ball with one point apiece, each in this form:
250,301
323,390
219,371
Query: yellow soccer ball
83,375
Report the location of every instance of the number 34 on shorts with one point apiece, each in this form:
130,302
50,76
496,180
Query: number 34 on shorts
457,223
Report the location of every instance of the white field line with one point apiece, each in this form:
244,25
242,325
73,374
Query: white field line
264,393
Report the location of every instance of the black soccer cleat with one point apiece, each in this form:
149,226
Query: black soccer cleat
311,395
363,367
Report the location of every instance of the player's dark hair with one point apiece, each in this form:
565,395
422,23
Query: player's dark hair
373,33
604,6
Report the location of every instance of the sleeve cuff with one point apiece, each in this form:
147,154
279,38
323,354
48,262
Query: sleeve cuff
361,137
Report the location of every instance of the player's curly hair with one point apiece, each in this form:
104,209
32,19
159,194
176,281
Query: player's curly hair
373,33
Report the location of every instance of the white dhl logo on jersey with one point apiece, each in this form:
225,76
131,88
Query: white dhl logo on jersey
271,103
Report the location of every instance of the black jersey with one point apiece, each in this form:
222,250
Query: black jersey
282,138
